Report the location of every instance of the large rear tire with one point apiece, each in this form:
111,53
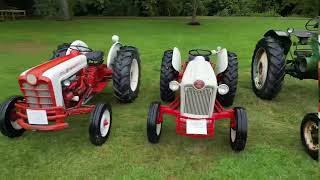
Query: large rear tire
100,125
8,117
309,132
230,78
268,68
126,74
60,51
168,74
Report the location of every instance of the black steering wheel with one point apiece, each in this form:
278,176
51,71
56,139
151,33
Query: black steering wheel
313,24
80,48
200,52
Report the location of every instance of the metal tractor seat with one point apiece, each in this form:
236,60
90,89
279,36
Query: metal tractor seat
302,34
191,58
95,58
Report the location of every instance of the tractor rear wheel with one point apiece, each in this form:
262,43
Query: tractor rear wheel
238,134
154,127
309,131
126,74
168,74
268,68
230,78
60,51
8,125
100,125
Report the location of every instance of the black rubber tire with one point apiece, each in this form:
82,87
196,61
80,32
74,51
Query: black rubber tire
230,78
95,135
276,68
241,124
121,74
60,51
313,117
6,127
168,74
153,114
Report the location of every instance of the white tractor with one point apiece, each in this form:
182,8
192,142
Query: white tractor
205,87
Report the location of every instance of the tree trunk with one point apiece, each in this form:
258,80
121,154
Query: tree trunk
194,21
64,9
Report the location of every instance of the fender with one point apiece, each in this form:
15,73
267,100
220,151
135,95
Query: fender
283,37
176,59
222,62
77,43
113,50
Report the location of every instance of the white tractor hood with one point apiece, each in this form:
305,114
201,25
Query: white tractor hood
199,69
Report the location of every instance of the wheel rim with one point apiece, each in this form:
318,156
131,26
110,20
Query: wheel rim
232,134
105,123
158,129
310,132
13,120
134,75
260,68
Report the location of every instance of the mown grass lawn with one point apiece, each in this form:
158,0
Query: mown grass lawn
273,149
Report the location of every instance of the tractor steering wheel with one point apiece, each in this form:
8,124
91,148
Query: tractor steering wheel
200,52
313,24
81,48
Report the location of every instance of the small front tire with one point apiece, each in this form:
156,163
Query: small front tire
238,134
8,117
309,132
154,127
100,125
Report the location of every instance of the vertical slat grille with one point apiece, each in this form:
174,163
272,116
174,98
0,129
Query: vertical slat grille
37,96
198,102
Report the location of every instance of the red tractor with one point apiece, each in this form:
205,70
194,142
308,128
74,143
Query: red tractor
64,85
205,87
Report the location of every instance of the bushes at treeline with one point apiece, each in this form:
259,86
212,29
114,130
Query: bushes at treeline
181,7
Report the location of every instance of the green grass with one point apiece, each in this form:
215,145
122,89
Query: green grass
273,148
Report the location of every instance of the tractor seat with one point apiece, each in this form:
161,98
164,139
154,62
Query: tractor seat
191,58
94,58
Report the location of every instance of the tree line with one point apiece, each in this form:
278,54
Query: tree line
52,8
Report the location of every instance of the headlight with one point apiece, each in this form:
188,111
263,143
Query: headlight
223,89
199,84
290,30
174,85
31,79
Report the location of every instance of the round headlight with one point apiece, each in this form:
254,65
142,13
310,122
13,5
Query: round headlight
174,85
31,79
199,84
223,89
290,30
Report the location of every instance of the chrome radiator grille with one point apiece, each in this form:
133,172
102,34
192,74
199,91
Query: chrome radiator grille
198,102
37,96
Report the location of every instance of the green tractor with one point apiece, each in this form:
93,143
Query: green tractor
273,58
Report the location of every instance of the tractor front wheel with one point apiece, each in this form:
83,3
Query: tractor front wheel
8,117
309,131
154,127
238,133
126,74
268,68
100,125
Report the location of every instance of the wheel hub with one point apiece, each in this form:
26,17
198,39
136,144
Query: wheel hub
134,75
105,123
311,135
260,68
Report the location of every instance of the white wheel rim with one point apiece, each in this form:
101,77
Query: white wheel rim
15,125
134,75
105,123
308,128
158,129
260,68
233,134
